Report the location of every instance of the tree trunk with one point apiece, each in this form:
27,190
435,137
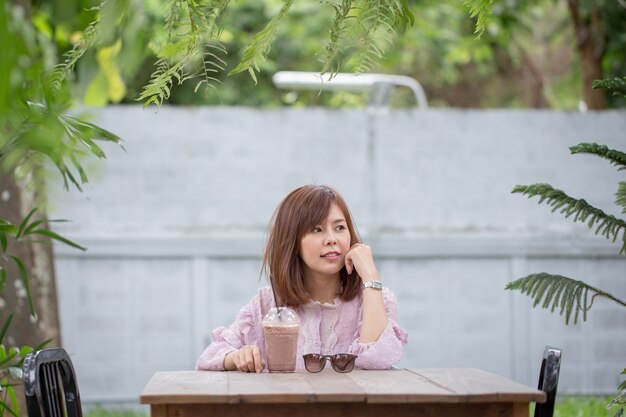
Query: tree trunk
591,44
16,201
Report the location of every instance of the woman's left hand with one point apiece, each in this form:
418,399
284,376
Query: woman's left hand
360,257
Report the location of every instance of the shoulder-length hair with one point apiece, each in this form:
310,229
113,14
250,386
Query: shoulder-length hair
298,213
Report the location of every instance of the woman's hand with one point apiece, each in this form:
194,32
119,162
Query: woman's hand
360,257
246,359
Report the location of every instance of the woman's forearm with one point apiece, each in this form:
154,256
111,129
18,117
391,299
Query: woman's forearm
374,318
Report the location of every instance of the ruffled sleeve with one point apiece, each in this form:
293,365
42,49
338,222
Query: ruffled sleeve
387,350
245,330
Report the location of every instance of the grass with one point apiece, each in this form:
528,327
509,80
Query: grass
99,411
570,406
582,406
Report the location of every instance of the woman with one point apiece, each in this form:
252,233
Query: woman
318,266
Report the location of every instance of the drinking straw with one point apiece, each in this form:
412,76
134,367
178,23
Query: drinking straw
274,293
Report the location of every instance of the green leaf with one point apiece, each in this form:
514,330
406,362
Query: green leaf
55,236
3,241
616,158
13,398
42,345
24,277
258,49
5,327
25,350
24,223
3,278
8,229
620,195
34,224
615,86
609,226
572,296
481,10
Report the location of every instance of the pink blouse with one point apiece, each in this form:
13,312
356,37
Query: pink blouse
325,328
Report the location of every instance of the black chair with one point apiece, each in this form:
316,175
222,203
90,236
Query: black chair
50,384
548,380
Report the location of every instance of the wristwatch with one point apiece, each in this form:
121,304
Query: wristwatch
377,285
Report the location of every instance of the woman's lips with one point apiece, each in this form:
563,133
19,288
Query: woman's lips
331,256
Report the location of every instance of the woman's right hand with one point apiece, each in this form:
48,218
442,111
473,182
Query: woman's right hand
246,359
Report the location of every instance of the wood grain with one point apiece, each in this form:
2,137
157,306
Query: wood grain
397,393
399,386
186,387
475,385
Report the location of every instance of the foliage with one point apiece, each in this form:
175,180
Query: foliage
554,291
620,400
439,48
35,127
559,291
260,46
607,224
481,10
615,86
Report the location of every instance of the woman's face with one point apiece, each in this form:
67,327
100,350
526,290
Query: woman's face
323,248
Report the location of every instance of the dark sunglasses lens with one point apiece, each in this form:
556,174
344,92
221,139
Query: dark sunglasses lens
343,363
314,363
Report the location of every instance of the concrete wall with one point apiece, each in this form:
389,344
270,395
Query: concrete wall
176,224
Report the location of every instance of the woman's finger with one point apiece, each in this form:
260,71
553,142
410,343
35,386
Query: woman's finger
258,363
249,358
348,263
243,365
236,360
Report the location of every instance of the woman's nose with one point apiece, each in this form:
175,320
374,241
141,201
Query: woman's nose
330,238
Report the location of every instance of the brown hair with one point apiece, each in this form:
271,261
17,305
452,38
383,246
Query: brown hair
302,209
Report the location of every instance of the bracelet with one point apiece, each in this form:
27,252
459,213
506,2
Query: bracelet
376,285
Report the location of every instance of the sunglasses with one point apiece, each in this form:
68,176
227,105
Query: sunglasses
341,362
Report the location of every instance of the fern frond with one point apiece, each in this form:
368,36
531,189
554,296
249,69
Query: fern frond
375,20
615,86
173,16
337,28
617,158
161,82
608,225
212,63
257,51
89,39
374,26
481,10
214,16
556,291
620,195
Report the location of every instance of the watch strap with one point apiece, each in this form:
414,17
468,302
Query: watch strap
376,285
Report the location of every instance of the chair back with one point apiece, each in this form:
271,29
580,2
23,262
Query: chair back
548,380
50,384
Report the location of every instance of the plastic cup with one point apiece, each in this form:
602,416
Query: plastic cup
281,327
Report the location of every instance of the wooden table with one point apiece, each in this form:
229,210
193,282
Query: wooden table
395,393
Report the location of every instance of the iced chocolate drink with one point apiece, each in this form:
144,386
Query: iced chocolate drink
281,328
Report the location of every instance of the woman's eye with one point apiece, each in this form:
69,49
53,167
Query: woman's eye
317,229
341,227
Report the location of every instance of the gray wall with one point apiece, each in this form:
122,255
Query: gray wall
176,224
